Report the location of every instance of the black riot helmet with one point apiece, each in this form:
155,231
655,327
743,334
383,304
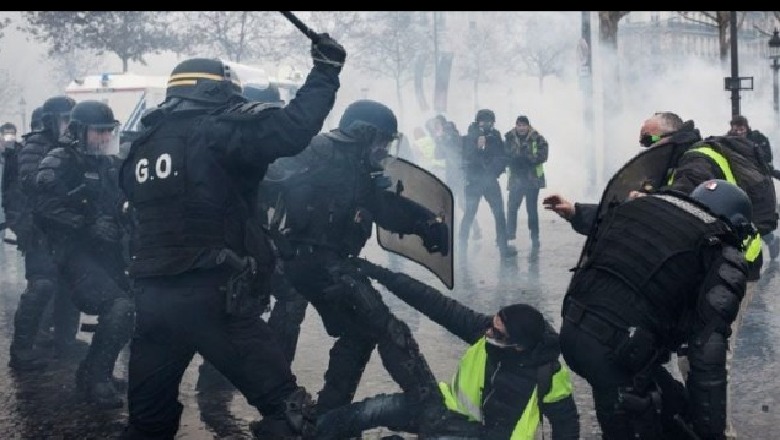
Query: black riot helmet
729,201
374,124
36,119
56,114
7,134
205,81
92,124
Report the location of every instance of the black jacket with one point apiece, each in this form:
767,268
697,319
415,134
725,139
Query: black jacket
332,197
204,166
518,369
483,164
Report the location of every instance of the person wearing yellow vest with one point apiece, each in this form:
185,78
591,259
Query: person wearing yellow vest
527,151
425,153
508,378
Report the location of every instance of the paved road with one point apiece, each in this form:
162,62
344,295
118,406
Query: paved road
44,405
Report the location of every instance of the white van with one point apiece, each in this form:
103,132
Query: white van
130,95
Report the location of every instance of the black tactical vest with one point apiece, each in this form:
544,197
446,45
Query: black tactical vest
183,200
331,203
654,245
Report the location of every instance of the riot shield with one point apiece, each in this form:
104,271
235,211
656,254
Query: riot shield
644,172
421,186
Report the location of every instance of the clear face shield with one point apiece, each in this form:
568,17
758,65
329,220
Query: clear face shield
384,151
61,124
102,139
7,139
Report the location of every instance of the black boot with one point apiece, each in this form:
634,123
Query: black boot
26,359
97,389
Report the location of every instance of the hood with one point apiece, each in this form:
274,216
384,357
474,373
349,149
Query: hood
687,134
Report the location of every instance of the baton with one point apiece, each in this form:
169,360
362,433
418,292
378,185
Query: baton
301,26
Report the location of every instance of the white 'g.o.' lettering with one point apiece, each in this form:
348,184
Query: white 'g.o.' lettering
162,168
142,170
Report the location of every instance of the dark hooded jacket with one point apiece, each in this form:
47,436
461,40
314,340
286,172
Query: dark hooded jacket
506,369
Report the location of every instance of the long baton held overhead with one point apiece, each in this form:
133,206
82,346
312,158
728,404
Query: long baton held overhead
301,26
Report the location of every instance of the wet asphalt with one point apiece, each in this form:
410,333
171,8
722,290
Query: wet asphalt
44,405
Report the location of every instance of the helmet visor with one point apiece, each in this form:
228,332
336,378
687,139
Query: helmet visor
102,139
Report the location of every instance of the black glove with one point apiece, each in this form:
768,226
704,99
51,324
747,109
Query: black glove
435,237
106,228
329,52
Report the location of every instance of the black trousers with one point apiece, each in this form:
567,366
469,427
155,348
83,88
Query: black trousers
99,288
519,190
354,313
43,288
594,362
179,316
491,191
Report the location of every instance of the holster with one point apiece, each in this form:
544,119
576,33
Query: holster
242,292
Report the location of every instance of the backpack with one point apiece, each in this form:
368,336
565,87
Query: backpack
752,174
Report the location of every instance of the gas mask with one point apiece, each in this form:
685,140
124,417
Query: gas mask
647,140
379,151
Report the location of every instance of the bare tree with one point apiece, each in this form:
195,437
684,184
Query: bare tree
130,35
541,52
481,55
3,23
346,27
613,103
719,20
395,41
76,64
238,35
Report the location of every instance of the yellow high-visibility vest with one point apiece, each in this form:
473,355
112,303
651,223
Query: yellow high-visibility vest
464,394
752,244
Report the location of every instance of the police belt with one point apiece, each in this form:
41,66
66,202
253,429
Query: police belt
603,330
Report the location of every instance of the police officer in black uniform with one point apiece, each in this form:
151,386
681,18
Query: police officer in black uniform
659,271
79,208
484,161
10,196
334,192
40,269
200,260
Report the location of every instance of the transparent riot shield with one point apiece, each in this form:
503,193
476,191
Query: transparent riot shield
421,186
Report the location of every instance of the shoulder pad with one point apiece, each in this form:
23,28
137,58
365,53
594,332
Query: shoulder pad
733,255
54,159
337,135
245,111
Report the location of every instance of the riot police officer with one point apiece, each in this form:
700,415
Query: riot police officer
659,271
200,260
79,209
40,269
334,192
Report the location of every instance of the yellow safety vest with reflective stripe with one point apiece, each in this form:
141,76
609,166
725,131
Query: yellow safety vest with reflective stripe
427,147
464,394
539,167
752,244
